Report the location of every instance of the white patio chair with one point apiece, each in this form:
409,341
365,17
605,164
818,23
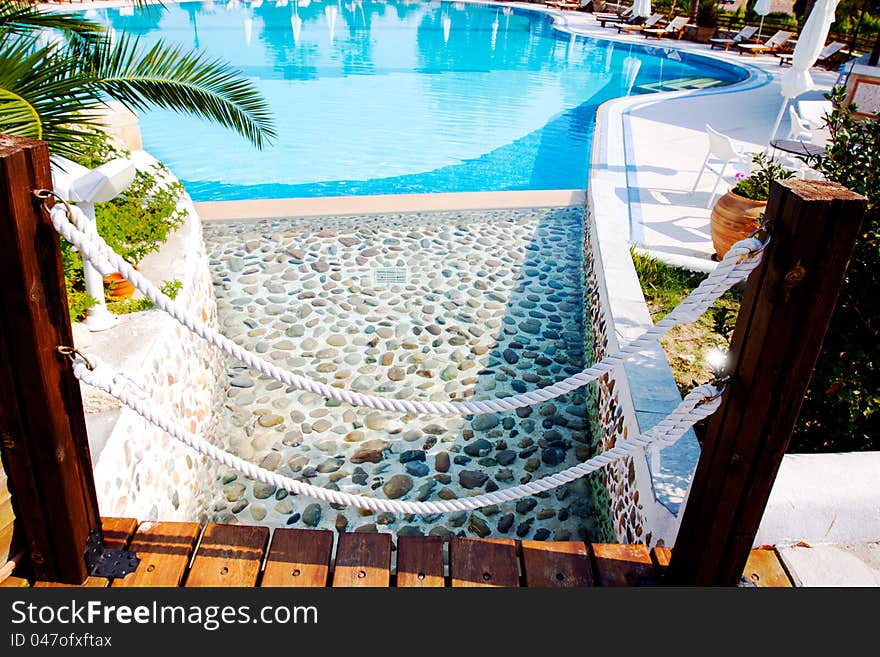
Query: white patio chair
799,130
723,149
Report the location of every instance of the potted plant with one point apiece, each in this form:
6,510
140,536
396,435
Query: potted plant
737,213
707,21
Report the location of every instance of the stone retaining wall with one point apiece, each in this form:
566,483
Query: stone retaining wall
142,472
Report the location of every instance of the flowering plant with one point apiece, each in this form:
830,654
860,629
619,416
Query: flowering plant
756,185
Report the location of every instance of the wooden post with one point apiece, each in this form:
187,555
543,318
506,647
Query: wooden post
45,445
787,305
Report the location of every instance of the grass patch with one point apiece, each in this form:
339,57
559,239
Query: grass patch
686,345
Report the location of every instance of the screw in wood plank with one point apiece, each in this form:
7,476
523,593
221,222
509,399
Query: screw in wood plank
795,276
8,441
792,279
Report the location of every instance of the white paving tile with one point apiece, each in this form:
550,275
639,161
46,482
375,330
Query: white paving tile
840,564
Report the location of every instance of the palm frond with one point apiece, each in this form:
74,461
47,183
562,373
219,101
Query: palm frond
18,18
41,99
187,82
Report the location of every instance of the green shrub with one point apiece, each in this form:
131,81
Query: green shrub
138,221
707,14
840,410
134,224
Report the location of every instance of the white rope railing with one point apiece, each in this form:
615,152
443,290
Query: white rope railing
699,403
742,258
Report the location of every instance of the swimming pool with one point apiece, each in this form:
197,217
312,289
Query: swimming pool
400,96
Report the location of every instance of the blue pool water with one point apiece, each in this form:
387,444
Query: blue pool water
400,97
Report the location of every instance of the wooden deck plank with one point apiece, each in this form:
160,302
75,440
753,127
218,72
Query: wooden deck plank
298,557
363,560
661,556
164,549
7,531
117,533
13,582
764,569
420,561
556,564
90,583
623,565
228,556
483,562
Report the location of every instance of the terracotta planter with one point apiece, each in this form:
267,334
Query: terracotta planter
703,34
118,287
734,217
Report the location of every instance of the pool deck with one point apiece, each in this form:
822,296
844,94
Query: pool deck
660,140
332,205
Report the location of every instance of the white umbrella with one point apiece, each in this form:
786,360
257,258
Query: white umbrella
631,66
797,80
248,30
642,8
762,8
494,31
446,22
330,12
609,54
296,22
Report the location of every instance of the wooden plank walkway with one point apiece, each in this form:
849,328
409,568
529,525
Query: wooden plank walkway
186,554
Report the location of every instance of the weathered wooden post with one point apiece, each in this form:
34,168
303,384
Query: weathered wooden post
45,445
782,322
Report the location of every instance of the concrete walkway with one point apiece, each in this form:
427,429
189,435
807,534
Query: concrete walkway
839,564
665,142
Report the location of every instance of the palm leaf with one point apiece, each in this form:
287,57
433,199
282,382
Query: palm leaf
188,82
40,97
18,18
